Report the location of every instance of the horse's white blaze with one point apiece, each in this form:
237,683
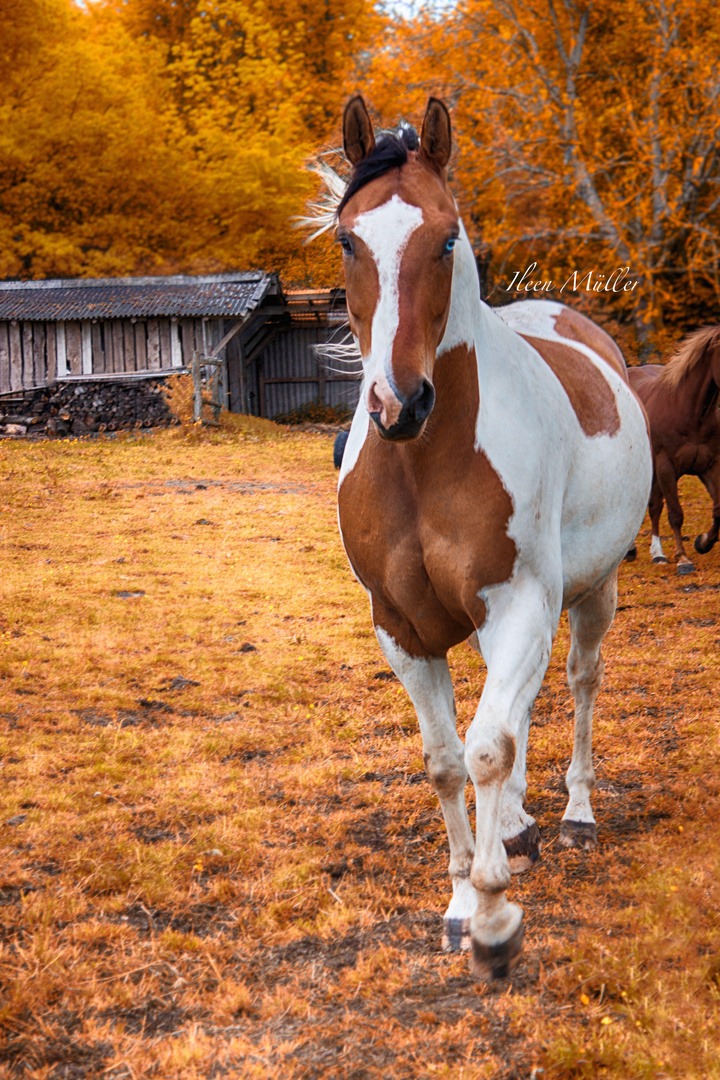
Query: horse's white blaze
656,548
386,231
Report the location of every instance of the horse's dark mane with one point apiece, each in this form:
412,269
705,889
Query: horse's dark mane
688,355
390,152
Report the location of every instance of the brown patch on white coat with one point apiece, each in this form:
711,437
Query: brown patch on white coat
427,555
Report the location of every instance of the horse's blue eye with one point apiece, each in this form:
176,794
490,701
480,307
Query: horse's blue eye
345,245
450,244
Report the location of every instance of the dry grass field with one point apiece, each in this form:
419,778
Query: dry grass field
221,856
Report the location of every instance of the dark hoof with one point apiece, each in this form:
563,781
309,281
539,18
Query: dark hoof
631,555
523,850
702,546
456,935
496,961
685,568
659,559
579,834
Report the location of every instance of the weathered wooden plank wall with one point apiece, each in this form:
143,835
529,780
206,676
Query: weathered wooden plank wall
16,364
4,358
286,374
290,375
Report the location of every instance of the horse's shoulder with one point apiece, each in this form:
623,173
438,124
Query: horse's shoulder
552,321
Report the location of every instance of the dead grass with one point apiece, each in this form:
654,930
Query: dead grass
221,856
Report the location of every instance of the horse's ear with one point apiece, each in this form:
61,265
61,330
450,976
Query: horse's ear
358,136
436,136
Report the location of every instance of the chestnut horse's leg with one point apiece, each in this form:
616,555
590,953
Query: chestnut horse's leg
589,622
668,485
430,688
655,507
711,480
516,641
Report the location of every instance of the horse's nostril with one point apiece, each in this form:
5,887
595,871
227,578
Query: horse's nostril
421,403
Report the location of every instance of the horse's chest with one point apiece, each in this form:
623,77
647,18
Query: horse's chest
426,541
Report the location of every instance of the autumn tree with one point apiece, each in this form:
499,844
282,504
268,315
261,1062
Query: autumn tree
140,136
258,87
94,176
587,137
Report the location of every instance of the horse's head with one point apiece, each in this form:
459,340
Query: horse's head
397,225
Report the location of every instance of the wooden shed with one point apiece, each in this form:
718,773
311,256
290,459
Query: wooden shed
120,328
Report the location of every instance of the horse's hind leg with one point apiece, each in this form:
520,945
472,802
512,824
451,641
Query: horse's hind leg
589,622
520,834
668,485
706,541
429,685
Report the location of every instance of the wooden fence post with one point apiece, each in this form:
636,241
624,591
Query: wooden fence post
197,386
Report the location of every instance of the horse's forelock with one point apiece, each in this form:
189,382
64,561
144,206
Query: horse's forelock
390,152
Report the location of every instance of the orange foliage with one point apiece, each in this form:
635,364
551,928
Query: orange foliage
587,138
166,135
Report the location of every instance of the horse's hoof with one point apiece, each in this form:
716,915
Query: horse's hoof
685,567
523,850
631,555
579,834
491,962
701,545
456,935
659,559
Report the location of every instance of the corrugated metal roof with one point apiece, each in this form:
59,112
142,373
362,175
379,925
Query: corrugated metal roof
212,296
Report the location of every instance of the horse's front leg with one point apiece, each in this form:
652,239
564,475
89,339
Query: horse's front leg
655,507
667,480
706,541
428,682
516,643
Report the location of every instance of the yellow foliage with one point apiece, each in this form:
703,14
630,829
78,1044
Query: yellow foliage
142,137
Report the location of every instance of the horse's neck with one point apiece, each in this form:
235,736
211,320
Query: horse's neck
699,386
501,355
466,308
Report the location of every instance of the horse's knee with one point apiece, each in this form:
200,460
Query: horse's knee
585,673
489,759
676,517
446,770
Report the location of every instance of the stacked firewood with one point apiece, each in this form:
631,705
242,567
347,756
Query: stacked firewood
71,408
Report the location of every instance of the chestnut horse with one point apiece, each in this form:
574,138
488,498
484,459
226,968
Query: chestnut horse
496,471
682,403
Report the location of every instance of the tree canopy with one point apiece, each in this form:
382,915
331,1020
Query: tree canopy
150,136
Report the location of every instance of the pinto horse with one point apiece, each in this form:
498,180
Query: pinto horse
681,399
497,468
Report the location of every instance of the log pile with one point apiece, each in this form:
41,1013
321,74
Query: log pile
70,408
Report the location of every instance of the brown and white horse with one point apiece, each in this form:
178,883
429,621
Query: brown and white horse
682,399
498,467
